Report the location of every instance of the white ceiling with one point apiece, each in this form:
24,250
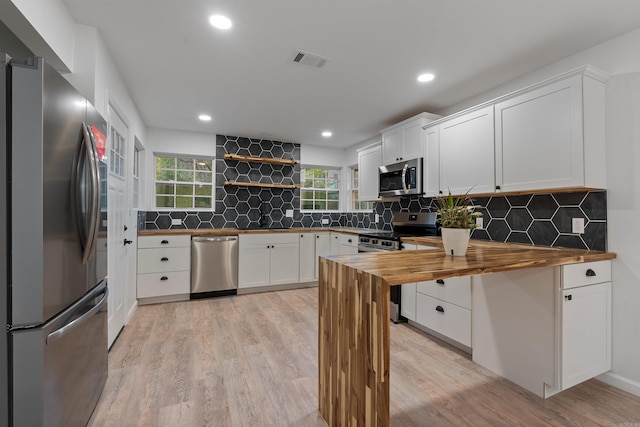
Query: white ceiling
176,65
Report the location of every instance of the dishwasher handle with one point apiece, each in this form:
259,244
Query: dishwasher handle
214,238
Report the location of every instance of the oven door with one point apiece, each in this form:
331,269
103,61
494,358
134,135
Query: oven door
366,248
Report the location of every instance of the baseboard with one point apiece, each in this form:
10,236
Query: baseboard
132,310
620,382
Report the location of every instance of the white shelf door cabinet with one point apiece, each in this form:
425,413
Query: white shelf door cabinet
552,137
413,141
586,333
335,243
284,258
408,292
392,146
431,166
369,162
307,257
323,247
254,264
466,148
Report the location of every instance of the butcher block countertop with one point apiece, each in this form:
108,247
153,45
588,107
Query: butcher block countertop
228,231
482,257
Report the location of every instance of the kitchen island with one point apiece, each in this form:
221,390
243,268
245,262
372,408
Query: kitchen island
354,314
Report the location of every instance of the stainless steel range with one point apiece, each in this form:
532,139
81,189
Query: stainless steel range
405,224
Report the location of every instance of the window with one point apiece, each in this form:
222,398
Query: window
136,178
184,182
356,204
320,189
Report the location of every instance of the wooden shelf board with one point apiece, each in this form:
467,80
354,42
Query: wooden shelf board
254,159
260,184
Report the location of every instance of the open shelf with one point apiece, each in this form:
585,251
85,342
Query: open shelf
260,184
253,159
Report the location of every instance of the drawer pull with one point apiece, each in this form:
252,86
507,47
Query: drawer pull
590,273
350,241
164,242
440,282
164,258
568,297
163,278
440,309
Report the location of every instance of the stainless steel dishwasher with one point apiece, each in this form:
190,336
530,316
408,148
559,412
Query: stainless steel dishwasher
214,266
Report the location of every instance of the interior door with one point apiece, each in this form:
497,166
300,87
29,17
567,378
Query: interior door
116,200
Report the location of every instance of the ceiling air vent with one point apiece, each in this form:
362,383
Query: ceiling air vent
310,59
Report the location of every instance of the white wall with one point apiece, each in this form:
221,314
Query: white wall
165,141
618,57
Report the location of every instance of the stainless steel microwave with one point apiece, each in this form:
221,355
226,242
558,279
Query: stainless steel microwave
401,179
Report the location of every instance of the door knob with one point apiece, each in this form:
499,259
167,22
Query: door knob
128,242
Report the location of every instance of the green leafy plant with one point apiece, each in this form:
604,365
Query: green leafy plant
457,212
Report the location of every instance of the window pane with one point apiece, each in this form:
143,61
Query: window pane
185,163
320,183
184,190
165,175
332,184
165,188
203,190
331,205
320,195
320,205
308,183
306,204
164,202
203,202
308,173
184,176
306,194
320,173
165,162
204,165
184,202
333,195
203,176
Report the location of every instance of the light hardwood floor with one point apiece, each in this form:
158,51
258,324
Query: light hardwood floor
250,360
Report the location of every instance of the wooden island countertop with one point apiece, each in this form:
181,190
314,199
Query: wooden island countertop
353,314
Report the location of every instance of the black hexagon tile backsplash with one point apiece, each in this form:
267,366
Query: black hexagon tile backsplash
540,219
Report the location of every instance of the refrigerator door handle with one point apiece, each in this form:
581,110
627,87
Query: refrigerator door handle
66,329
94,216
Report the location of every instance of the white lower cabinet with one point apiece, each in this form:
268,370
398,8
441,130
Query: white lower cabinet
164,268
546,329
444,306
344,244
408,295
323,247
307,257
268,259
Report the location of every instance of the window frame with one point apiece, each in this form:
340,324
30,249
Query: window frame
194,183
352,187
329,169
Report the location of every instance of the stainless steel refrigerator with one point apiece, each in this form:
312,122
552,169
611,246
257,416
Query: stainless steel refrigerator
53,286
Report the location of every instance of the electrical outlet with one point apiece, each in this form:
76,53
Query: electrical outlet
377,218
289,213
176,221
577,225
325,222
479,223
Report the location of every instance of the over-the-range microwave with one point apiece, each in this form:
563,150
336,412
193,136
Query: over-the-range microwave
401,179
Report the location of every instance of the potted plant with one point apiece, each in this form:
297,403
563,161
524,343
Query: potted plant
457,217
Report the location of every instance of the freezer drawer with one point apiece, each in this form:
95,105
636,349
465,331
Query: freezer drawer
59,370
214,263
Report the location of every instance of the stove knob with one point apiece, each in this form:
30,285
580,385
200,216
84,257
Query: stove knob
374,241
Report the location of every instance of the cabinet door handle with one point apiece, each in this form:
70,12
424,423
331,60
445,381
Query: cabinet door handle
163,278
590,273
164,258
440,309
440,282
350,241
164,242
568,297
497,187
128,242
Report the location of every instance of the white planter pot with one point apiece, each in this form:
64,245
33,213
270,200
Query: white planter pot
456,240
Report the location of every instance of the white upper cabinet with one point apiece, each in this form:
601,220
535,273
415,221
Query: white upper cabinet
369,160
466,153
545,136
552,137
405,140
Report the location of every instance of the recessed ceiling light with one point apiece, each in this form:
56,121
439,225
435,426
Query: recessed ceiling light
205,117
327,134
427,77
221,22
